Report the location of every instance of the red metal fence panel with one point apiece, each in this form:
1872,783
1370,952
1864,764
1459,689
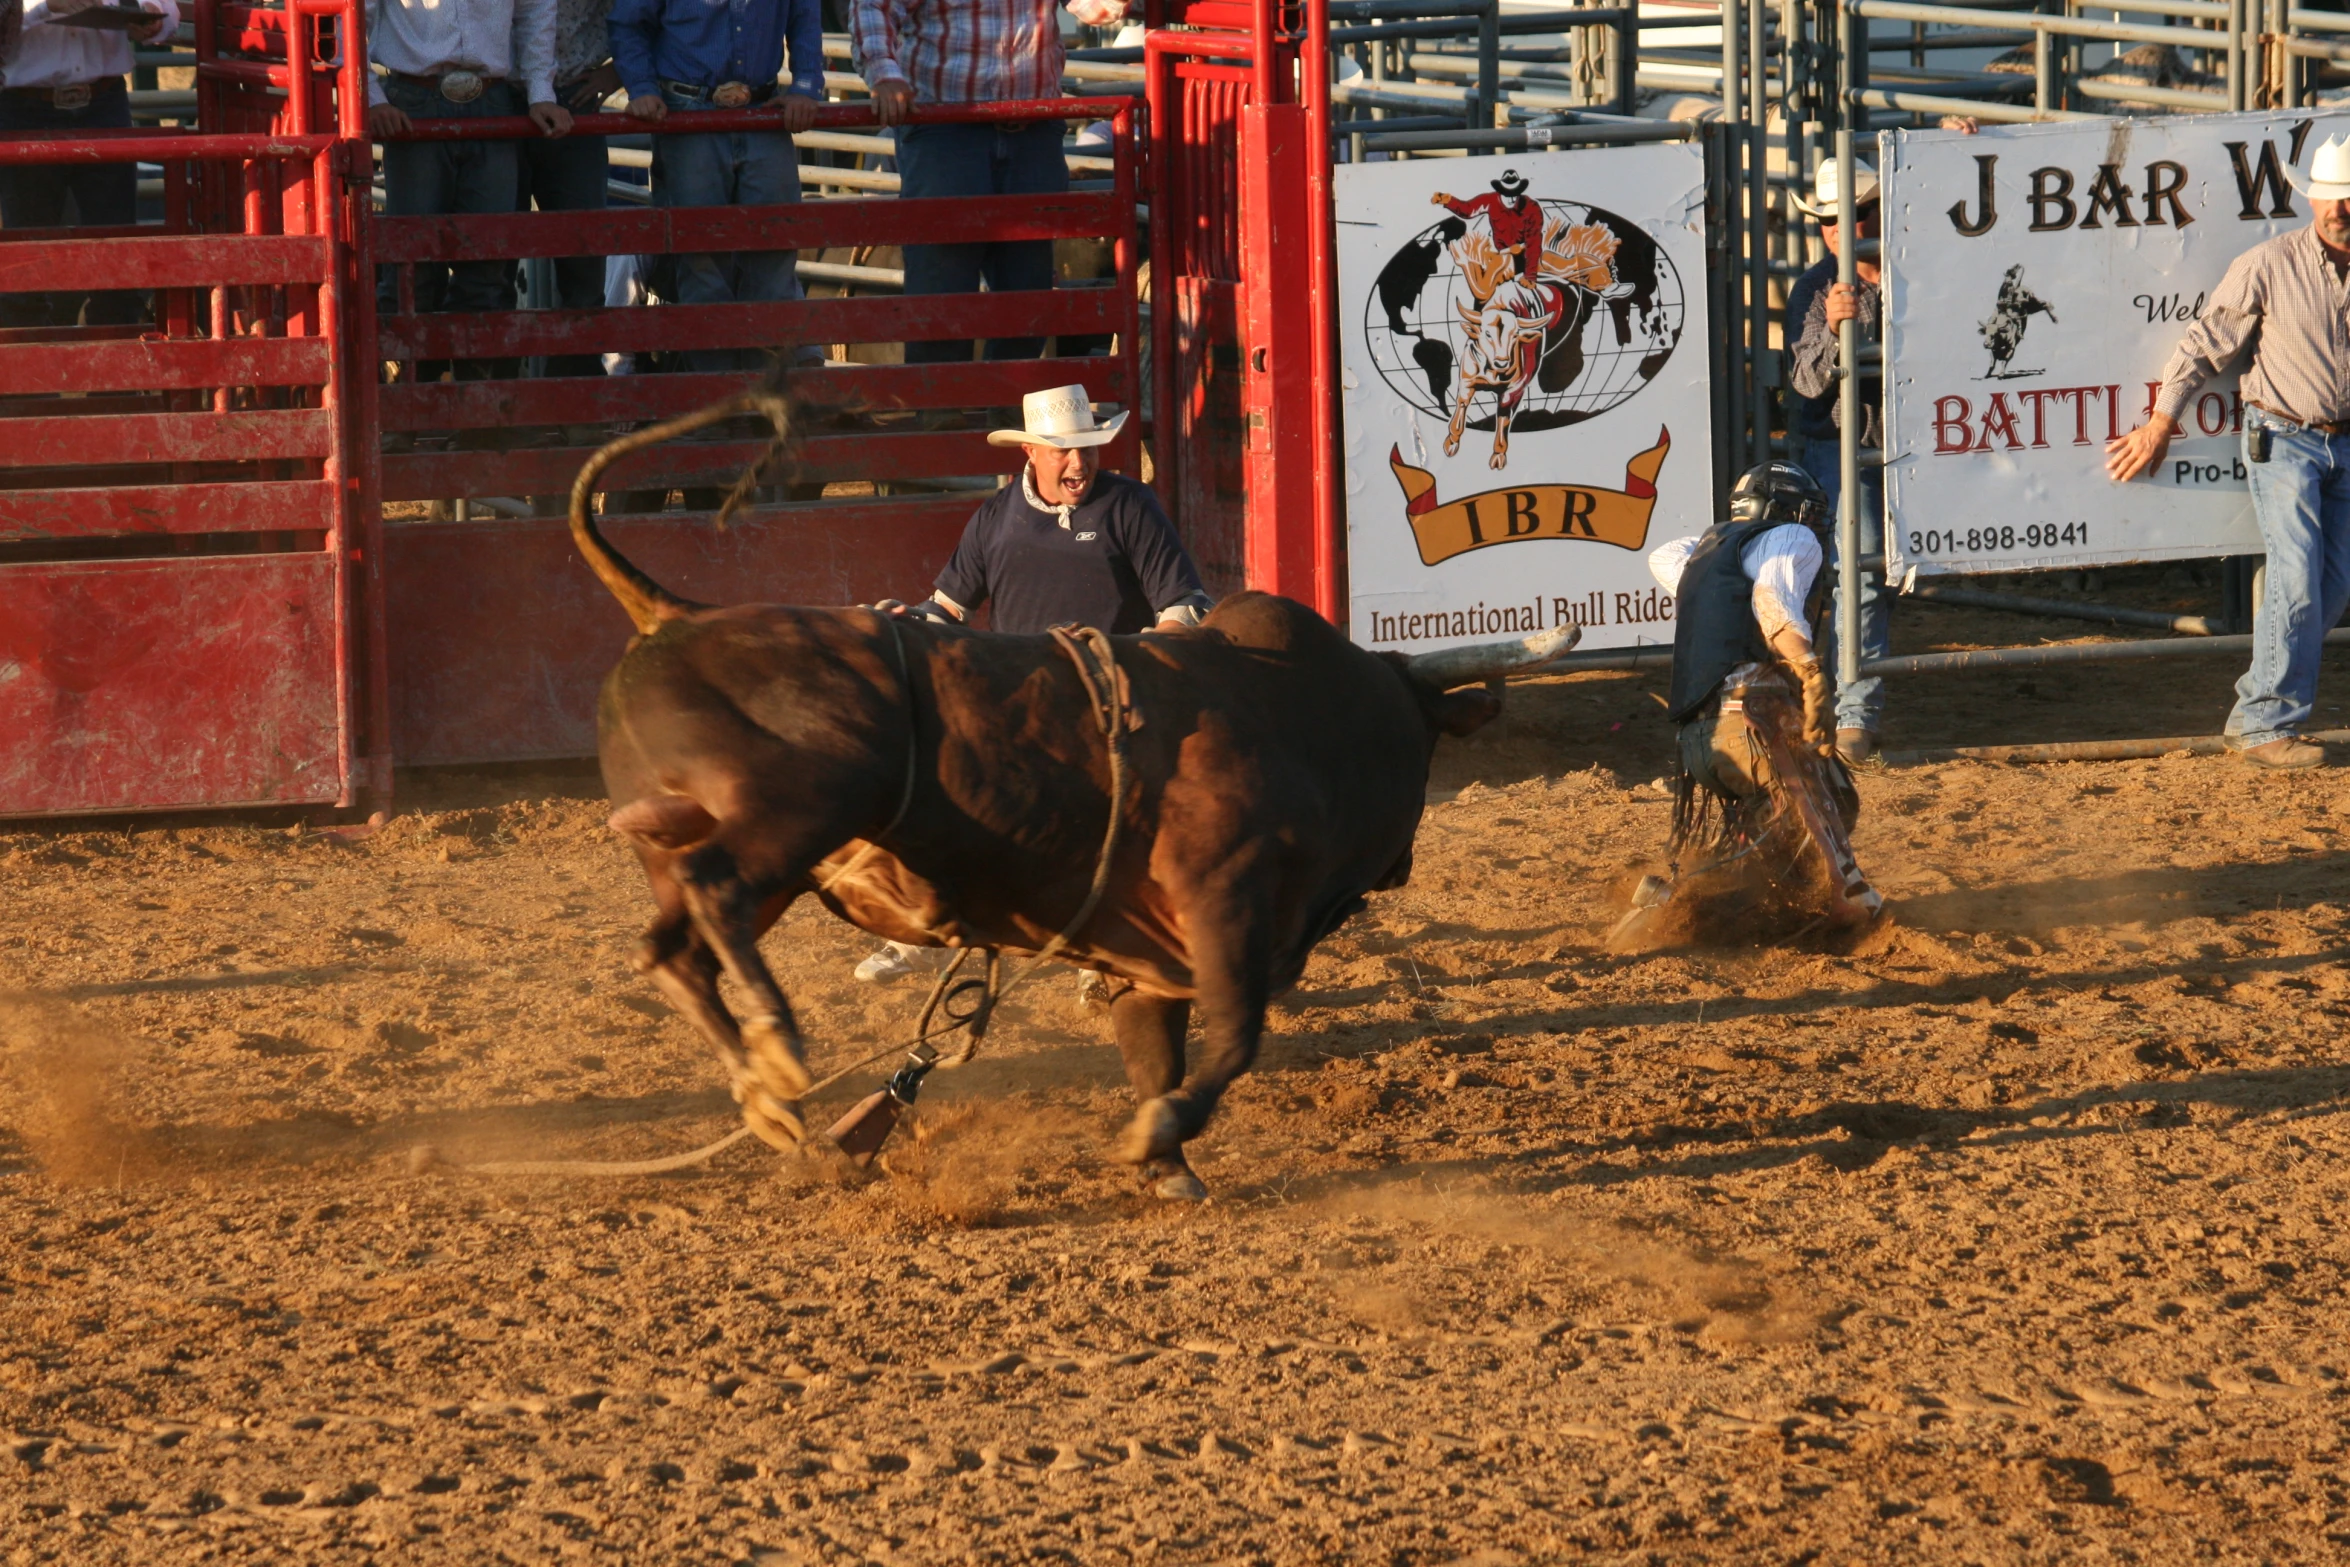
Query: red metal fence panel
183,555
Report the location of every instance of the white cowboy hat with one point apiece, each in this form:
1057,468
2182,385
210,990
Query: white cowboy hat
1058,416
1828,189
2329,172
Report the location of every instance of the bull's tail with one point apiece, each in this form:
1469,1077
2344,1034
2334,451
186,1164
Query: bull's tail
646,602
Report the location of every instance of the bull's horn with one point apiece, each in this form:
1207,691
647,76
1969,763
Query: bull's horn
1460,666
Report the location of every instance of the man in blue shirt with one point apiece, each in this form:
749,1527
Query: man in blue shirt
689,56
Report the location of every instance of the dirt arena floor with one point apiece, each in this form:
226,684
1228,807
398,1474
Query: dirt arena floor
2009,1237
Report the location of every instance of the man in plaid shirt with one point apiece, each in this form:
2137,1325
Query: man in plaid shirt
971,51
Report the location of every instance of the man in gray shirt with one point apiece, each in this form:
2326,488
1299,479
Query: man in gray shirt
2286,304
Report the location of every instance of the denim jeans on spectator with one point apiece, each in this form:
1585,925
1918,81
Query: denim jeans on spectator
433,178
980,160
568,174
2301,497
34,196
1860,705
729,169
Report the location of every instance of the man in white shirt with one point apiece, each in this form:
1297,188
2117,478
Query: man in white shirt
1755,709
474,60
65,80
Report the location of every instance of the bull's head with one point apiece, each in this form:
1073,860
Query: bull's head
1436,677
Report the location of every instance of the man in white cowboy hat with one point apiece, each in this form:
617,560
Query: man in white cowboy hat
2281,305
1066,545
1816,307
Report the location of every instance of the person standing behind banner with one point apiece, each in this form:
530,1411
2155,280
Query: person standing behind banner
66,81
2282,304
689,57
1816,306
971,51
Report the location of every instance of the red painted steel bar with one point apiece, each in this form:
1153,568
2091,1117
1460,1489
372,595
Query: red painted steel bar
767,117
154,147
803,226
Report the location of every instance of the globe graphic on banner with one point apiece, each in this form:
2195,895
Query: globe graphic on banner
1452,315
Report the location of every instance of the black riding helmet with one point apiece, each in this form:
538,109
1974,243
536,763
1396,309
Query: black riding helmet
1778,492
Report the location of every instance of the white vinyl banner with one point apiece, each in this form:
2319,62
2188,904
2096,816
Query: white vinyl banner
2039,277
1523,343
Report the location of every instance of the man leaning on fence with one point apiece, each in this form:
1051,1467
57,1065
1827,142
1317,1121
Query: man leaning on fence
689,57
2282,303
1816,306
971,51
436,61
65,78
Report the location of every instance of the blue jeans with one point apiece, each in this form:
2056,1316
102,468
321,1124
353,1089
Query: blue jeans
567,174
980,160
728,169
2301,497
35,196
432,178
1860,705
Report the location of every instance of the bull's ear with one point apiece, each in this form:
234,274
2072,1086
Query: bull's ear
1466,711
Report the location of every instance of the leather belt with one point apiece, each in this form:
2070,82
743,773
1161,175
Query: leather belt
726,95
455,86
2321,426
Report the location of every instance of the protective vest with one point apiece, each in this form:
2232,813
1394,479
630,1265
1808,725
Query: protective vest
1714,629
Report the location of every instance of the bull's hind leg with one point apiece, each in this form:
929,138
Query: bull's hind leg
1150,1032
1229,961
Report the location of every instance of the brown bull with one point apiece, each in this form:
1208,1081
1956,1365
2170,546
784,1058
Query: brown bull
946,786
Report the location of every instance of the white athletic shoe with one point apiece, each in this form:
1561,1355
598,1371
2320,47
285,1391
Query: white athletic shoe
884,967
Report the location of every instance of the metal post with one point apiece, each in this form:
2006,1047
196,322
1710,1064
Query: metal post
1626,64
1489,65
2045,90
1755,262
1851,36
1733,187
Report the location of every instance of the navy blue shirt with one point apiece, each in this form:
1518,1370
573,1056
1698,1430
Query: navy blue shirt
1115,565
708,43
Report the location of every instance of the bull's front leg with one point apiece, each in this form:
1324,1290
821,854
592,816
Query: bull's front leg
1501,442
1150,1032
1229,959
727,906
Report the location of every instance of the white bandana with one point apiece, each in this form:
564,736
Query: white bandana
1028,493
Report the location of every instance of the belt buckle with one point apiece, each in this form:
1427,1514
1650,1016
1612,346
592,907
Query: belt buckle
76,95
461,86
731,95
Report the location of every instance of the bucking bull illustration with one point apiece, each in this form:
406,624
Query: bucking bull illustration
1531,278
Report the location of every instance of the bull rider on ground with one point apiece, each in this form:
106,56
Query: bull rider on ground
1067,545
2282,303
1755,710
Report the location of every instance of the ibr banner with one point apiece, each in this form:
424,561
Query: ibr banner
2040,276
1523,350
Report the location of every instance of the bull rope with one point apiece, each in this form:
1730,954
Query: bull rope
1112,706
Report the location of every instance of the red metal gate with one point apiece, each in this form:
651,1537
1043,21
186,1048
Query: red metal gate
1242,280
182,549
201,606
500,635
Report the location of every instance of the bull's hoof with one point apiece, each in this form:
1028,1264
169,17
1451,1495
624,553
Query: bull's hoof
775,1058
1172,1181
773,1121
1156,1132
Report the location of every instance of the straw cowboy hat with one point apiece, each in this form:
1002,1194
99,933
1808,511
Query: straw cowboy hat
2329,172
1058,416
1828,189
